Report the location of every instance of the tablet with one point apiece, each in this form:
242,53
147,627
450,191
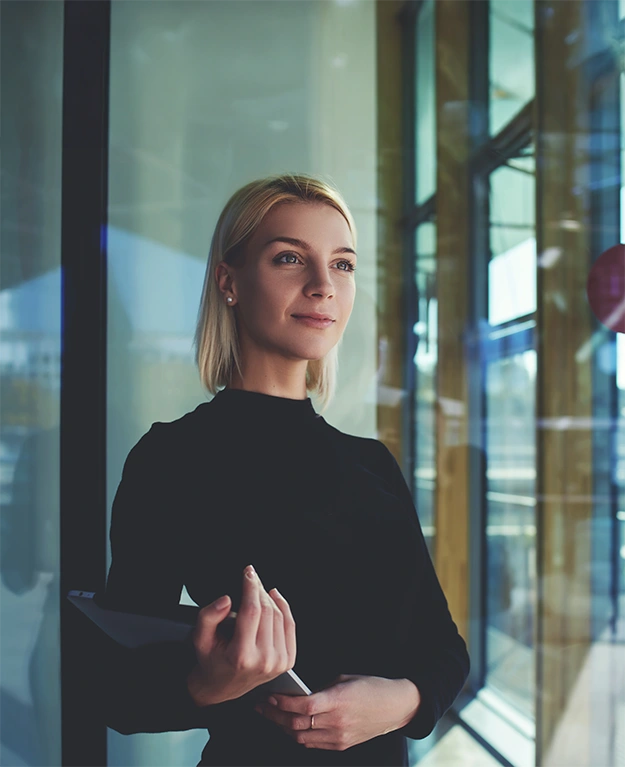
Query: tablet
140,628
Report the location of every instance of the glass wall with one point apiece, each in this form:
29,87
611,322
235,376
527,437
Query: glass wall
31,87
509,439
514,156
619,468
198,108
620,482
425,102
510,60
425,389
529,116
425,329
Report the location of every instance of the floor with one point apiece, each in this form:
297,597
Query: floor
456,748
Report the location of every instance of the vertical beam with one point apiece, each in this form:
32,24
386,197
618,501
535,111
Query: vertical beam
453,279
83,359
479,247
564,379
393,304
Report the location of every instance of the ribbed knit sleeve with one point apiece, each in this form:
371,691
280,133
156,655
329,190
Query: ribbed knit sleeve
437,660
145,689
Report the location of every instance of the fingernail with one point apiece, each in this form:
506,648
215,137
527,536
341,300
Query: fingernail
278,593
221,602
249,571
272,700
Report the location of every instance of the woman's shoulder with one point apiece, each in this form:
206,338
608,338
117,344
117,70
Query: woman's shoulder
369,452
176,435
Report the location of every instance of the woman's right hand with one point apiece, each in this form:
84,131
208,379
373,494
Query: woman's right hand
262,647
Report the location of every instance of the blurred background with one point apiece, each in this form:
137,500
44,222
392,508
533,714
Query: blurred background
480,146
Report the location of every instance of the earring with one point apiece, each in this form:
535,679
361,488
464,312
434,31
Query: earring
229,299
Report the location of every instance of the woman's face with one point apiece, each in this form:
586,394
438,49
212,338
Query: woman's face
279,280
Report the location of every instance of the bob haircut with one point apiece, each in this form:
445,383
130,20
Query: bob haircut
216,341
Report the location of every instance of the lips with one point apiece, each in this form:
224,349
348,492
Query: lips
315,316
313,322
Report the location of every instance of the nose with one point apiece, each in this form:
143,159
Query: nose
320,283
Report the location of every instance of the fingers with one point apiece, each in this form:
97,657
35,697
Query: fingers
294,722
208,619
260,623
307,705
279,643
264,637
264,633
249,615
288,626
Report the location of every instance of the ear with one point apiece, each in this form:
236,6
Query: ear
224,278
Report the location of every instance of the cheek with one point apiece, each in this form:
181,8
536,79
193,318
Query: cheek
347,303
263,304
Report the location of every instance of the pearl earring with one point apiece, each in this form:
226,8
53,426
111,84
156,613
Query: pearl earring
229,299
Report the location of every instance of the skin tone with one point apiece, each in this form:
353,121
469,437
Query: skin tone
262,647
282,279
274,282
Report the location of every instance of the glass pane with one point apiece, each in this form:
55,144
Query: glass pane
510,435
510,529
572,190
512,268
511,60
194,114
620,381
30,358
620,481
425,122
425,376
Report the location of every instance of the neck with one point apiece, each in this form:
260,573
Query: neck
289,386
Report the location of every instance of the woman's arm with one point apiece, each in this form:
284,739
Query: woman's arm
439,661
429,671
202,681
146,689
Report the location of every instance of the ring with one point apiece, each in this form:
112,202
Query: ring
312,722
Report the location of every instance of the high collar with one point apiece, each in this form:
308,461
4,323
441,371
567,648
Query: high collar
258,406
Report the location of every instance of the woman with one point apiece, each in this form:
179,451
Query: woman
257,477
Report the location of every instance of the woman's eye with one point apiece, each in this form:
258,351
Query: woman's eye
350,266
283,255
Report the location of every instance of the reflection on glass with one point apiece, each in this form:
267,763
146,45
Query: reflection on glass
425,122
510,530
512,268
580,49
30,352
620,482
425,389
619,472
510,434
511,60
195,114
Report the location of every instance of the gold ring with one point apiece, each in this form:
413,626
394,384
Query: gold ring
312,722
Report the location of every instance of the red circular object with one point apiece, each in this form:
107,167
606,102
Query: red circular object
605,288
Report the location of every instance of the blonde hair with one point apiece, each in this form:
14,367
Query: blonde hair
216,343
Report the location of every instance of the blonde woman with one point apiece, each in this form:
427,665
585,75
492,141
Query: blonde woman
257,504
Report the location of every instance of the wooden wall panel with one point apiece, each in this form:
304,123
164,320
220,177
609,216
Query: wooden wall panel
392,163
453,265
564,375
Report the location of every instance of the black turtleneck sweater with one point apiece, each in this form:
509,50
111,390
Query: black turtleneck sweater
324,516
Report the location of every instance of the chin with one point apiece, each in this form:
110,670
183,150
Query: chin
310,351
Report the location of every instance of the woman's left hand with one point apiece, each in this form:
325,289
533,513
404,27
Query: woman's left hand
354,709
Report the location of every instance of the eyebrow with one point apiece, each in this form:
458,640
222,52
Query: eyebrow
305,245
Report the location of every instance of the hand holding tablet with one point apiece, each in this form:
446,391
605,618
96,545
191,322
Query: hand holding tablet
252,650
262,646
287,683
